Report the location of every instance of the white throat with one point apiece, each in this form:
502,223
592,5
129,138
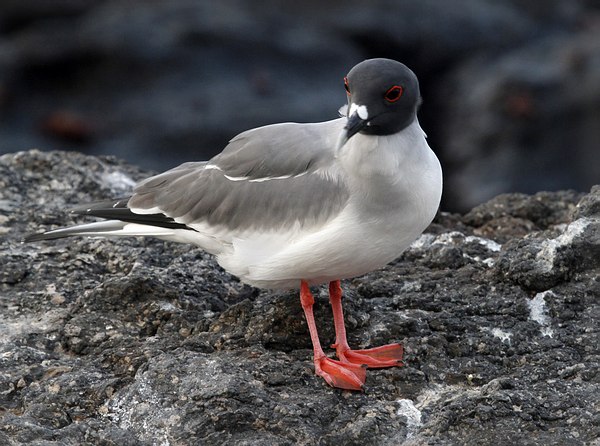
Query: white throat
367,155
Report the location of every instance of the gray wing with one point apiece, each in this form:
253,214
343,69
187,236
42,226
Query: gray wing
266,178
278,150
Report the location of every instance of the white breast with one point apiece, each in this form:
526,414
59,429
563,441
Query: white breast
396,186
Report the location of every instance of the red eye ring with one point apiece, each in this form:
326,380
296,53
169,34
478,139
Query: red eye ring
394,93
346,86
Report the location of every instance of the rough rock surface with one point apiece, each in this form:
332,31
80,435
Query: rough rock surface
143,342
511,88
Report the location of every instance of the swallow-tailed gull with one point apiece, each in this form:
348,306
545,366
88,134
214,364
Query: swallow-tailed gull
294,205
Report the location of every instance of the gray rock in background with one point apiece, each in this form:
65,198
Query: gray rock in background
143,342
528,121
510,88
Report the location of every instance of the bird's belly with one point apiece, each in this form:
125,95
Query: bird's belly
369,233
347,247
367,246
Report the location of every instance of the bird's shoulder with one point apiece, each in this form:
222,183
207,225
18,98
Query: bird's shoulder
279,150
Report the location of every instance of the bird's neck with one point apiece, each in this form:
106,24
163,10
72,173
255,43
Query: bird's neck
397,171
386,155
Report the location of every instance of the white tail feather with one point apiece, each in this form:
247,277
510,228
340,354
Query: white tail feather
109,228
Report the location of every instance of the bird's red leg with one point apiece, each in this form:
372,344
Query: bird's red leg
337,374
378,357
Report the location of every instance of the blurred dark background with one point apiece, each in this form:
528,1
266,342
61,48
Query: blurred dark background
511,88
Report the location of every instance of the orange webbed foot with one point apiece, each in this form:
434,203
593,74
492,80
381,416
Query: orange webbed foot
379,357
343,375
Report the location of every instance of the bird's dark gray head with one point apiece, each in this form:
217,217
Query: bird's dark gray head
383,97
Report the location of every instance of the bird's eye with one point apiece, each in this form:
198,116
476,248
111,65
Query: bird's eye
346,86
394,93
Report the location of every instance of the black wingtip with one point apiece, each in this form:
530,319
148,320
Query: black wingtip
36,237
113,211
92,208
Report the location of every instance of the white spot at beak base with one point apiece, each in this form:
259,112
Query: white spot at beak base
360,110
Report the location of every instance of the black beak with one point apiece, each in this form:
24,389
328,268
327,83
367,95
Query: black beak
354,125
